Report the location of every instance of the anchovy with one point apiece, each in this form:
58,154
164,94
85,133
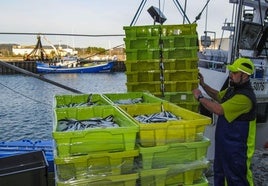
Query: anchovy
89,102
74,124
160,117
128,101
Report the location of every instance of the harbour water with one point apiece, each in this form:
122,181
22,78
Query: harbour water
26,110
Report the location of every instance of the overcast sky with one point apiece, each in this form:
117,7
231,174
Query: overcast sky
94,17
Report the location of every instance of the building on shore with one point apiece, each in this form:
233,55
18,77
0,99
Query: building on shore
63,50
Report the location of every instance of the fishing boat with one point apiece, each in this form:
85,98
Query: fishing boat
74,67
248,38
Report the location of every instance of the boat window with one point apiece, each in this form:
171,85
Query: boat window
250,34
262,46
262,112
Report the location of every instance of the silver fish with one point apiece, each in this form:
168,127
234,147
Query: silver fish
160,117
97,122
128,101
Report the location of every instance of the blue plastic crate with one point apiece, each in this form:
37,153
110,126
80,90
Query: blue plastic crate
27,146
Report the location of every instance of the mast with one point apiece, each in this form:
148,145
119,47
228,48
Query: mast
235,41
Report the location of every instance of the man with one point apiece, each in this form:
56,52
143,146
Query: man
236,124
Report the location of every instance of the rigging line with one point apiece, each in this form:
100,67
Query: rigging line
24,95
178,8
58,34
134,20
185,6
163,5
199,15
181,9
140,12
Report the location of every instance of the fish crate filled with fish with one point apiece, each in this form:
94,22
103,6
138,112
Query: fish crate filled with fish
131,98
78,100
173,153
100,180
168,64
164,123
175,174
133,32
84,130
96,164
180,41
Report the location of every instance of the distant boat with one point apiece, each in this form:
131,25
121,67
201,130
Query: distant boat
74,67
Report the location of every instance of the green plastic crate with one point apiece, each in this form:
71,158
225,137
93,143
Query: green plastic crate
173,153
157,30
193,106
180,86
176,97
187,129
180,75
145,96
183,99
153,86
142,43
169,86
94,139
142,54
143,76
180,29
180,64
180,41
79,167
109,180
178,174
176,53
142,31
142,65
69,100
169,64
168,75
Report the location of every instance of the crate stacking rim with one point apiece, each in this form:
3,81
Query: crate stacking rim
187,129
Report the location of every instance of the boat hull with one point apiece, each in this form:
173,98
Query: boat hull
46,68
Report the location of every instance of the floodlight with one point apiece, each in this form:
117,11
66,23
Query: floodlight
157,15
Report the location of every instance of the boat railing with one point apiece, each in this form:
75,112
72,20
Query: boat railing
213,65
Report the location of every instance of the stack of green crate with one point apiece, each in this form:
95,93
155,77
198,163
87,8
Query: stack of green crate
162,59
171,152
93,156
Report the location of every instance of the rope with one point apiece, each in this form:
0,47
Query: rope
24,95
